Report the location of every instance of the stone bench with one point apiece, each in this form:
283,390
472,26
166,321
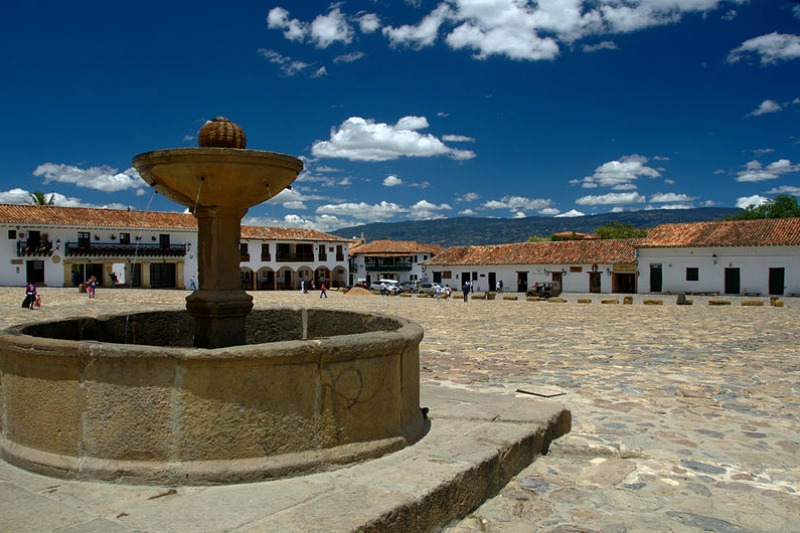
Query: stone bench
752,303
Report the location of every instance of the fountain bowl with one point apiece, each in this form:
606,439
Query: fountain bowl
104,399
224,177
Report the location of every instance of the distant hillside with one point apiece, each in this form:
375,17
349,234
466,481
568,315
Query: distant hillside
473,231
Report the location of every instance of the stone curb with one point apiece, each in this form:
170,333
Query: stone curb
477,441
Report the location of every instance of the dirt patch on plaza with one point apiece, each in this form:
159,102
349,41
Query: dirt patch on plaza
359,291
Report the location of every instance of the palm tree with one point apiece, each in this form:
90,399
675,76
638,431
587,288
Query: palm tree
38,198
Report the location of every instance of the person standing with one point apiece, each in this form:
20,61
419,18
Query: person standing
91,286
465,290
322,290
30,296
438,292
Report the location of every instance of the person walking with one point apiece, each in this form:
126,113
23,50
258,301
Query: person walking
465,290
438,292
91,286
322,290
193,283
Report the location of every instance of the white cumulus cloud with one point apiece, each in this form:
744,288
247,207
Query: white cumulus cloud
420,35
614,198
620,174
667,197
392,181
769,49
754,171
517,204
767,106
746,201
331,28
101,178
360,139
516,29
425,210
363,211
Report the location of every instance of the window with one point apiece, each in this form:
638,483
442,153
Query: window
12,234
323,255
265,255
163,241
84,240
447,274
692,274
244,252
124,238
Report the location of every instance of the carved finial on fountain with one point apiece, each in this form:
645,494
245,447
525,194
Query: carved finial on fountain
221,133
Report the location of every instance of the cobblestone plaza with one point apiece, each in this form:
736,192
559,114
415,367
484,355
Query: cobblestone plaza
685,418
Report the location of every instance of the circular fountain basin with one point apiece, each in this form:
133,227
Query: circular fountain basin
228,177
127,398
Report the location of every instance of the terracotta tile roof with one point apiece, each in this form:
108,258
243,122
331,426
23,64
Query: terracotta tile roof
765,232
84,217
389,248
603,251
288,234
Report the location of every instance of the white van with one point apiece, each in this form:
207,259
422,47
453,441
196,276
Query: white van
392,285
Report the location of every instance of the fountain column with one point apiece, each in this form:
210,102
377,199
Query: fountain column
218,182
220,306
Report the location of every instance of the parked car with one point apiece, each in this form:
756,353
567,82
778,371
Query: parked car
409,286
428,288
391,285
545,290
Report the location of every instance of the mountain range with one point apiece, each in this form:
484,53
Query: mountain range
464,231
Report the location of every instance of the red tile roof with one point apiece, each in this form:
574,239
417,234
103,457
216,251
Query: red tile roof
84,217
288,234
389,248
765,232
603,251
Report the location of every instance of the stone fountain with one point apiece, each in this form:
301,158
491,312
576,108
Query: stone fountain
221,393
218,182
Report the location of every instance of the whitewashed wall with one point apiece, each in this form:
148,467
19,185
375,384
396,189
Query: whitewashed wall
754,264
577,282
13,268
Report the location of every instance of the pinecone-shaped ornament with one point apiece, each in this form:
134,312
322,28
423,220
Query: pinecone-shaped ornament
221,133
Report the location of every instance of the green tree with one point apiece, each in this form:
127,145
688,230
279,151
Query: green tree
782,206
616,230
539,239
38,198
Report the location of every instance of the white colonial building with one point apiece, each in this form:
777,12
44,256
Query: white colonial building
599,266
744,257
385,259
64,246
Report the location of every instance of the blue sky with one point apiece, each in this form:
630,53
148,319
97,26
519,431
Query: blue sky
416,109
